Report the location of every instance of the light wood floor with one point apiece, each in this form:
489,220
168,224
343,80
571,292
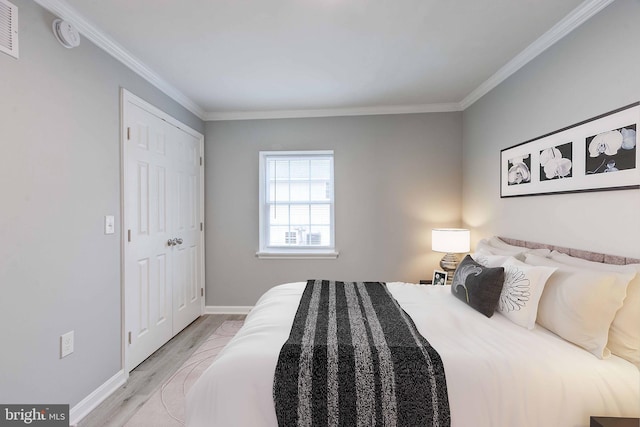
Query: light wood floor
149,375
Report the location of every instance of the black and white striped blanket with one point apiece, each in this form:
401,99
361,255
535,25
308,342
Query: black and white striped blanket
355,358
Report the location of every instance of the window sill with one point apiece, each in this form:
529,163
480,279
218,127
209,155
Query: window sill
298,255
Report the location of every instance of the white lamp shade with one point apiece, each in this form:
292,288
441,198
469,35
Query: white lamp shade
450,240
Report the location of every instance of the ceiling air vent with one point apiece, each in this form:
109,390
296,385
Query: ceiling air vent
8,28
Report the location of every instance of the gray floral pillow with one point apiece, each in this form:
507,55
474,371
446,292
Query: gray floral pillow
478,286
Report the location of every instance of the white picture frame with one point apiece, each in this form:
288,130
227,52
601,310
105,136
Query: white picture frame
439,277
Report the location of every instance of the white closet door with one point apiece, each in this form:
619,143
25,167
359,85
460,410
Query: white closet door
163,248
148,257
186,223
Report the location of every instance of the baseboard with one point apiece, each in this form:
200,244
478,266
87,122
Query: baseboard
227,309
89,403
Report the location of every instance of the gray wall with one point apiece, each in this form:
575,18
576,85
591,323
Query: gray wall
396,177
59,176
593,70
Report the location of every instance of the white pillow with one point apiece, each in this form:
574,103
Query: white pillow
523,286
489,260
484,246
506,249
579,305
624,334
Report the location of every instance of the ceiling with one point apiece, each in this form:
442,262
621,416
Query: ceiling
234,59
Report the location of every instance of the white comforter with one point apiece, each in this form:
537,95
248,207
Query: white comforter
498,373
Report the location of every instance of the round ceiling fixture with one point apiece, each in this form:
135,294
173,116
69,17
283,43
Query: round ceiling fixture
66,33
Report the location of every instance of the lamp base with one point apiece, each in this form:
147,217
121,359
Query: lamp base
449,263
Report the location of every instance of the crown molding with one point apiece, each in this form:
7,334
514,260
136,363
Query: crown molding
63,10
569,23
334,112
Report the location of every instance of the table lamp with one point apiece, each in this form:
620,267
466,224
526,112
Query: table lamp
451,241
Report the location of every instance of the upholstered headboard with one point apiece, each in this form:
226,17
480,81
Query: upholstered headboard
591,256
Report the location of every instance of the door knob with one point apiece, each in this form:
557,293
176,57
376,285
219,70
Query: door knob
171,242
178,241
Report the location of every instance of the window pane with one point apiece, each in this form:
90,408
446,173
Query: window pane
320,214
299,215
321,169
278,192
279,215
271,172
299,169
279,236
314,239
281,168
300,191
325,235
320,191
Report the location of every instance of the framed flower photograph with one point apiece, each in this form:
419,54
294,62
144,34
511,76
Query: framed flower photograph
439,277
597,154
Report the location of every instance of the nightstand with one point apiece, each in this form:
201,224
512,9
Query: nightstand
614,422
426,282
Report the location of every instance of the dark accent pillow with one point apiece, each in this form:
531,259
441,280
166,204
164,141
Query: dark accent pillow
478,286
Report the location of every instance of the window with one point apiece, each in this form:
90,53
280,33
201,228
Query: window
296,204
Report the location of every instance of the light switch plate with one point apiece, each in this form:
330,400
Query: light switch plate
109,224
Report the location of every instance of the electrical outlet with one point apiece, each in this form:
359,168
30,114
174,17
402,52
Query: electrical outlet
66,344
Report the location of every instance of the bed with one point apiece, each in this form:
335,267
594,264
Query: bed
497,372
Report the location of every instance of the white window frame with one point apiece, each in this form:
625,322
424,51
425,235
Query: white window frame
302,252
